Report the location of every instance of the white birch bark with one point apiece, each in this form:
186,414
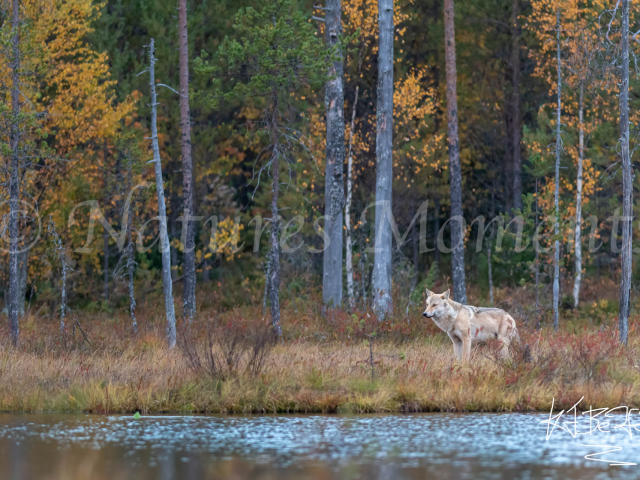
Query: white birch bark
167,283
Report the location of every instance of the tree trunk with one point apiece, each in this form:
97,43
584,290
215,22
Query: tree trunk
23,271
189,257
537,260
334,189
347,208
490,246
14,185
627,181
274,265
131,254
162,209
363,270
515,105
105,236
436,228
382,302
455,174
174,250
105,265
556,227
578,279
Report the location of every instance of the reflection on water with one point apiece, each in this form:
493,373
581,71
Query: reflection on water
442,446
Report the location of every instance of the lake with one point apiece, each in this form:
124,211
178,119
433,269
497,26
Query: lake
420,446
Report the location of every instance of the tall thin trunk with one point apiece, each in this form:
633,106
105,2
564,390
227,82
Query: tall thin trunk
455,174
105,236
578,279
515,106
415,245
556,227
436,228
14,181
189,257
627,181
131,262
274,257
23,272
363,270
334,189
382,302
347,208
162,209
490,246
537,260
490,272
105,265
174,250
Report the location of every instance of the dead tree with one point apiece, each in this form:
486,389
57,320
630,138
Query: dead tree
162,209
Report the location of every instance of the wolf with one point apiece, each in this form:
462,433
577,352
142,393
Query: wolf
466,324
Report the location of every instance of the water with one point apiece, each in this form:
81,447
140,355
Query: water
424,446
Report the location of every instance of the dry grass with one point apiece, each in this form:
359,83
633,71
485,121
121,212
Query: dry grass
321,366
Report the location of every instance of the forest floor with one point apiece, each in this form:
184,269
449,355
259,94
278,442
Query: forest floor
226,363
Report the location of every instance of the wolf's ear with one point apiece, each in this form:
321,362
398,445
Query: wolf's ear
446,294
429,292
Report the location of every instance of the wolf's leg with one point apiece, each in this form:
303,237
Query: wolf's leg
466,347
457,346
504,351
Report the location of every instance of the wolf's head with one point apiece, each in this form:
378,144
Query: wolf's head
437,304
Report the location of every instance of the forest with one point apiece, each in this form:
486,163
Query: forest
199,197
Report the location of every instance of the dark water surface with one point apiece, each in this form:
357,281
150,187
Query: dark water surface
440,446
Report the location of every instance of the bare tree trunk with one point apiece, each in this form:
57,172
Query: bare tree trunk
189,257
627,181
382,301
537,256
105,265
578,279
556,228
174,250
14,185
363,270
515,105
489,267
436,228
23,271
490,246
274,257
455,174
162,209
334,189
347,208
105,236
131,260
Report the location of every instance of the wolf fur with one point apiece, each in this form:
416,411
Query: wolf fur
466,324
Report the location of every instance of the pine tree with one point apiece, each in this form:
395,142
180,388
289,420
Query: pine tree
274,56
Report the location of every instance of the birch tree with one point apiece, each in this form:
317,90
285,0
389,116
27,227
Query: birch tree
347,208
14,181
455,174
334,189
167,282
189,257
556,224
627,178
382,301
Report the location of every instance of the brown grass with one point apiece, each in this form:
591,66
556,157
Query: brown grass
322,365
